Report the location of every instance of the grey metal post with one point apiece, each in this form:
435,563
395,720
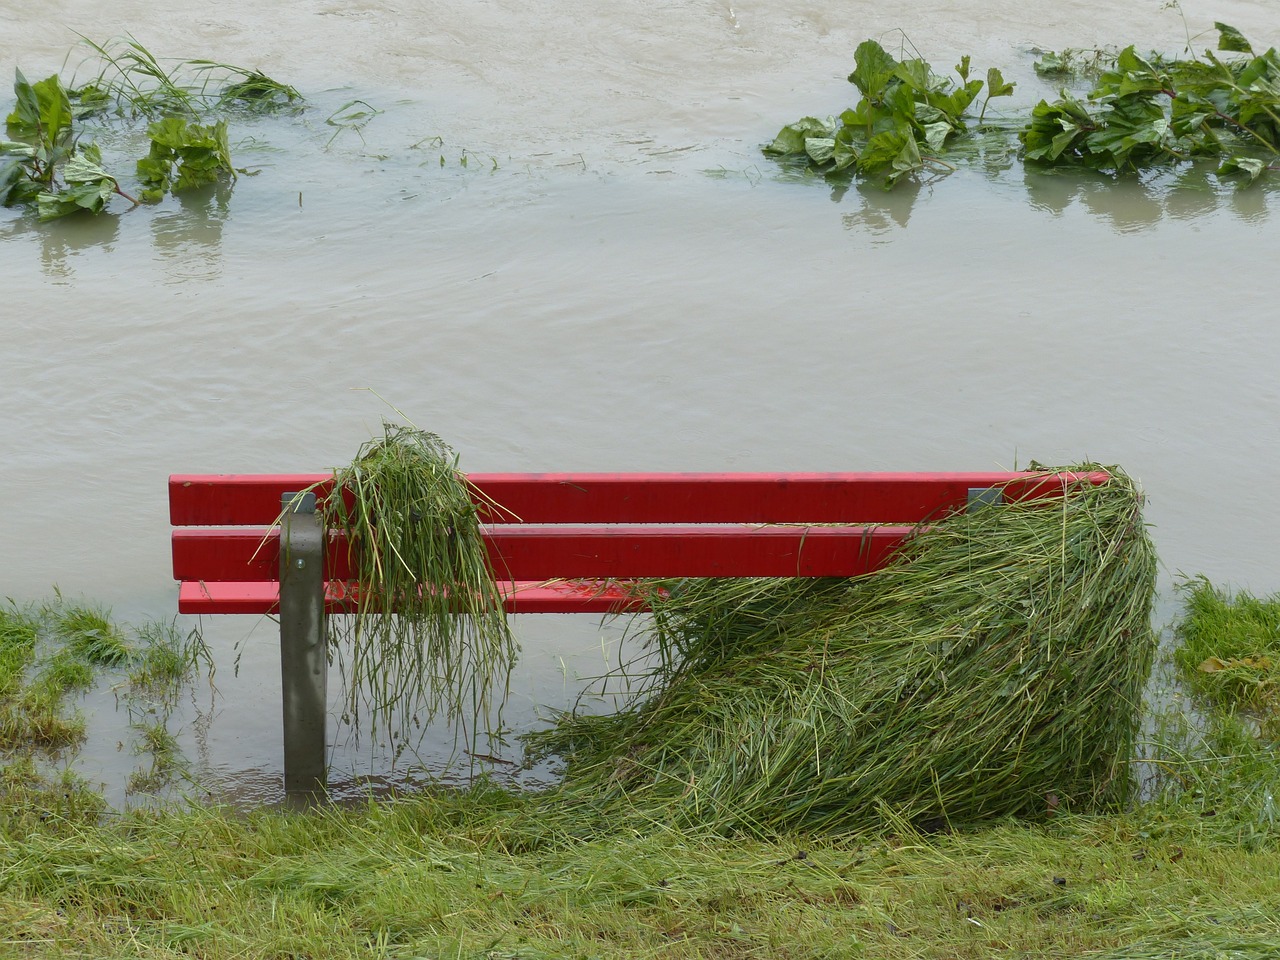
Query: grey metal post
980,497
303,654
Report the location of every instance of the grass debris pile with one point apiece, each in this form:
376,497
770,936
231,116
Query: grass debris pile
997,671
431,632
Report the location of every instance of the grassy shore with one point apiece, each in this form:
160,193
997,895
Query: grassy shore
1191,870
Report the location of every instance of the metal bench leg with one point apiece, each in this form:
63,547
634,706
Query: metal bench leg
303,653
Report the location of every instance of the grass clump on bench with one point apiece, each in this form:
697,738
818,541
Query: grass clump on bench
431,632
996,671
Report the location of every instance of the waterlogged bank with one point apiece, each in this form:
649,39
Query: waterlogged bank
481,875
632,288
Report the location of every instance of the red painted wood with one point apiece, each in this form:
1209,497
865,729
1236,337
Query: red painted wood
621,552
261,597
649,498
234,571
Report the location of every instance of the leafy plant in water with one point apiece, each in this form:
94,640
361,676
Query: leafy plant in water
184,155
1071,64
1145,113
905,119
44,166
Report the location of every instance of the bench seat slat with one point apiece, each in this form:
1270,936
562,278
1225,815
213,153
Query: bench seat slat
519,597
539,553
231,500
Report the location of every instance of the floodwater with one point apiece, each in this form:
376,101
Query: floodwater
615,279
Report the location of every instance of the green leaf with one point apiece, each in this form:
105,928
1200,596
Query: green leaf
170,132
1251,166
935,135
790,139
893,154
844,156
872,69
83,168
12,174
1052,66
820,149
1132,75
997,86
43,111
1229,38
92,197
907,161
15,147
1056,129
916,75
957,102
962,68
25,119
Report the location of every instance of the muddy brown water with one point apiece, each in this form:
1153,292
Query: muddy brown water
615,280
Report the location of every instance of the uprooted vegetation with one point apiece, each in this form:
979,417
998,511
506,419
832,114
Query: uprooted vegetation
1141,113
54,164
995,670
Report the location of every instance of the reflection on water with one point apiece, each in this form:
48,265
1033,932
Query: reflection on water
60,242
1140,201
188,240
1126,204
881,211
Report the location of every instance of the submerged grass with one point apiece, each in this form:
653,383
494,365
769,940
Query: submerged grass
166,659
1230,649
431,631
18,632
997,671
62,649
89,633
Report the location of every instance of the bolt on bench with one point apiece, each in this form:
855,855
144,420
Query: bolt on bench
558,543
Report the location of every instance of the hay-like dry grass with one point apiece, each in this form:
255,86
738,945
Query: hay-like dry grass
996,671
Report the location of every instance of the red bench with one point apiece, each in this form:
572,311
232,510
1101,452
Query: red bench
561,543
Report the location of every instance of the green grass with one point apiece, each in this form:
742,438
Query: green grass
997,670
61,649
457,876
139,82
18,632
36,801
32,691
431,632
1192,872
37,718
89,633
1229,648
165,659
64,672
154,739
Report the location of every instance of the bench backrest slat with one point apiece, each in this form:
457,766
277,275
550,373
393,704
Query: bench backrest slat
232,500
543,553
